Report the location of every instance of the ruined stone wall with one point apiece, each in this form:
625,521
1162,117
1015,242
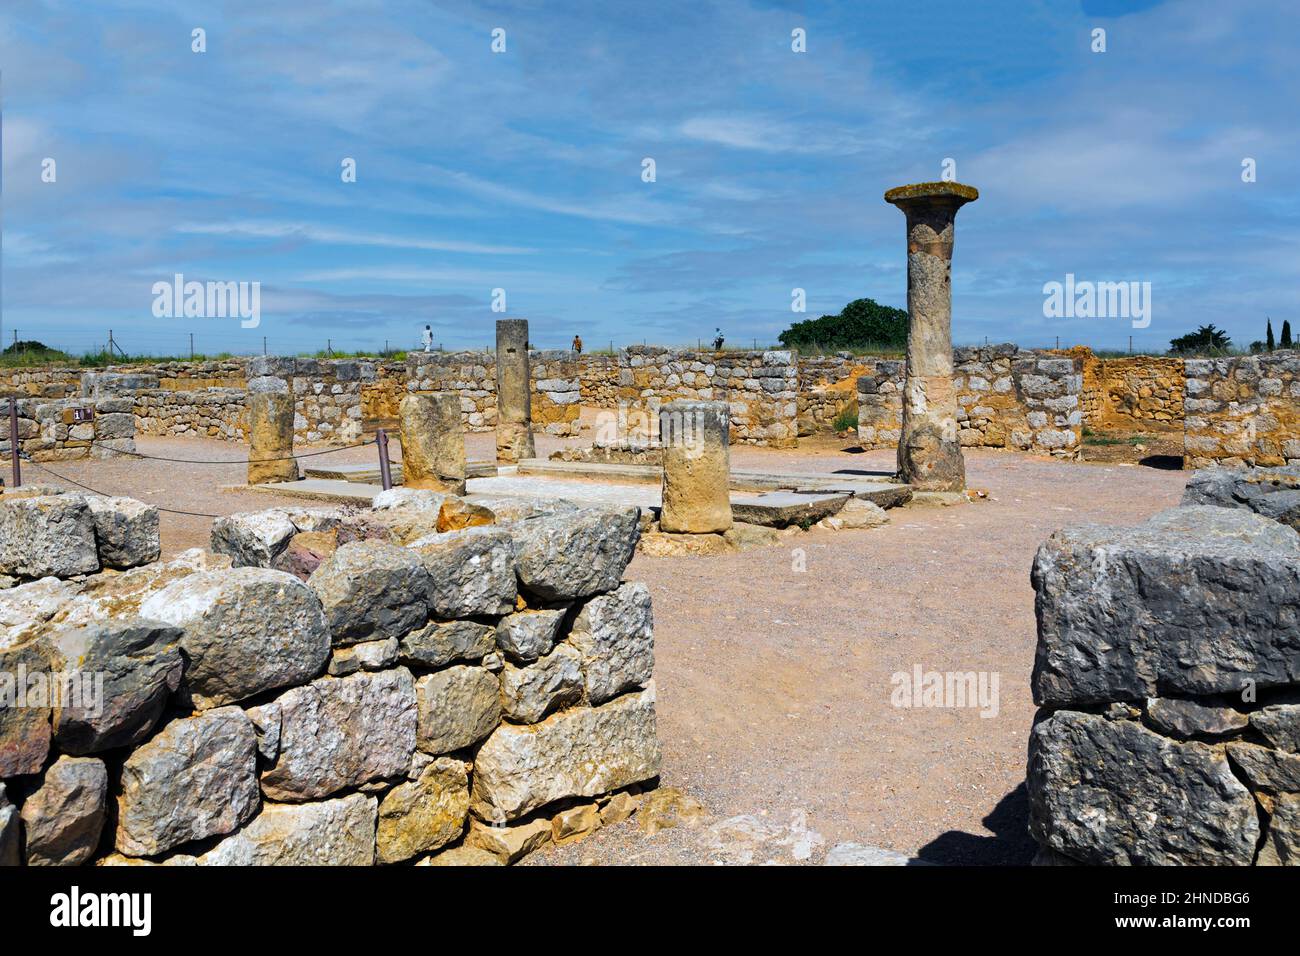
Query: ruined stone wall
1178,745
333,686
192,413
1242,411
598,380
827,386
48,431
40,382
1135,392
761,388
1006,398
555,378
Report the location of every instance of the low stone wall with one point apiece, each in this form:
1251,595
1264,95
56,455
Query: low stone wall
761,388
427,681
1167,677
49,431
1006,398
827,387
1135,392
193,413
40,382
1242,411
598,380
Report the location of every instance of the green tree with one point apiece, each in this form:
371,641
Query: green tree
861,323
1268,339
1285,341
1205,339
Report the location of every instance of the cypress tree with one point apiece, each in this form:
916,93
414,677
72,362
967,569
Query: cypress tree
1269,344
1286,334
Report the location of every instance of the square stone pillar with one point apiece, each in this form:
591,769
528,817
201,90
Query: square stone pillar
514,398
270,431
697,466
929,450
433,445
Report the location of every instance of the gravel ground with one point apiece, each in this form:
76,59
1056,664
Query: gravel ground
774,666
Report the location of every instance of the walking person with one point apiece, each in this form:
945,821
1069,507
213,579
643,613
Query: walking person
577,344
427,339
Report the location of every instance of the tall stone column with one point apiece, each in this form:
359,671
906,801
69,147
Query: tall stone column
514,400
929,451
270,431
697,466
433,445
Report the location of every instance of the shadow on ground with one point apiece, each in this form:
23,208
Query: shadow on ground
1011,844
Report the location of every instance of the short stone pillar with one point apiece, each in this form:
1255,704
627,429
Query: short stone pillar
270,431
929,450
433,445
514,399
697,466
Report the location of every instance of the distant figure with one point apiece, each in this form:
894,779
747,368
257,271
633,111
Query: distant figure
717,340
427,338
577,344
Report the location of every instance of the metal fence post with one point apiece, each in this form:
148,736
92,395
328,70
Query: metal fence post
385,476
13,442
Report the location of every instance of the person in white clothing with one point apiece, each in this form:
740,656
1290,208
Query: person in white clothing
427,338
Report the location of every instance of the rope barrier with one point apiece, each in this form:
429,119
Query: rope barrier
73,481
231,461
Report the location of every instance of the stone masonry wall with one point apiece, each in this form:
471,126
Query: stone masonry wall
761,388
1168,680
425,681
47,430
1006,398
1242,411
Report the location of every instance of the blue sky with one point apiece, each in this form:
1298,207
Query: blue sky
522,170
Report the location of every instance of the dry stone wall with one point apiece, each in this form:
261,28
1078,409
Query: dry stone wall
1006,398
1179,744
1242,411
51,431
425,681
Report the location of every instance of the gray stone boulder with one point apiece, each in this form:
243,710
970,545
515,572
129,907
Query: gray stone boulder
1282,839
25,609
64,816
1266,770
47,535
458,707
371,590
579,752
247,630
1108,792
126,531
139,664
527,635
196,778
614,633
571,555
552,681
1280,725
423,814
1197,600
339,832
471,572
439,643
252,539
1271,492
24,710
408,513
340,733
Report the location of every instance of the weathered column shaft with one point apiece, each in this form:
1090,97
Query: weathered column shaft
514,401
433,444
270,431
697,466
929,449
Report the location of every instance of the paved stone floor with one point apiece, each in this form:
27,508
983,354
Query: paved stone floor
774,666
